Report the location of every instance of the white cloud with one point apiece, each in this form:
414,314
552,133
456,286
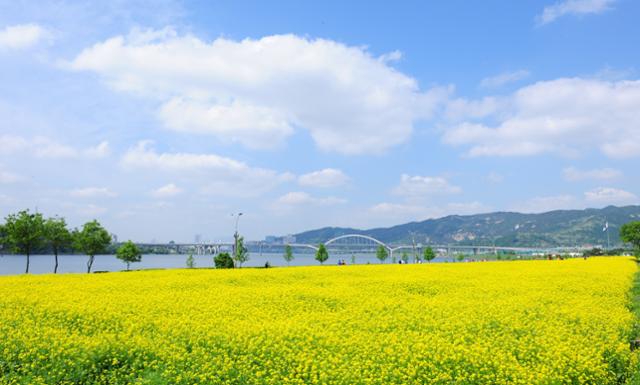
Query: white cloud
99,151
225,176
43,147
460,109
7,177
91,210
417,186
548,203
254,126
504,78
610,196
166,191
573,7
413,212
256,91
563,116
328,177
494,177
573,174
92,192
397,209
294,199
22,36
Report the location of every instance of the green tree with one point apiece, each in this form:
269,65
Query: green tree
630,233
191,263
129,253
405,257
3,238
288,254
241,253
223,261
460,257
381,253
92,239
322,254
25,232
428,254
58,236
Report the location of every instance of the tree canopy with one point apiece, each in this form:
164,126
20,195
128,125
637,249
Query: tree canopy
428,254
58,236
24,232
241,252
92,239
288,254
630,233
129,253
322,254
381,253
191,263
223,261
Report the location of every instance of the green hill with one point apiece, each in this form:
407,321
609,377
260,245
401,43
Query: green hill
550,229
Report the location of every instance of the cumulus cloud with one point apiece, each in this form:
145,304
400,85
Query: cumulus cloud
224,175
548,203
43,147
22,36
599,197
167,191
257,91
573,7
297,198
504,78
325,178
92,192
417,186
495,177
563,116
101,150
91,210
610,196
573,174
413,212
7,177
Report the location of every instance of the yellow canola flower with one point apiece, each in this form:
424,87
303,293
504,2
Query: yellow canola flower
529,322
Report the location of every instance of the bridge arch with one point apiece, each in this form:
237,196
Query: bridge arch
330,241
303,245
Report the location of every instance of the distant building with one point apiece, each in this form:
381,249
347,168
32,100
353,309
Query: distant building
197,239
114,238
289,239
271,239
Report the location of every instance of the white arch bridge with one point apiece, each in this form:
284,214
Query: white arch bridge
362,241
448,249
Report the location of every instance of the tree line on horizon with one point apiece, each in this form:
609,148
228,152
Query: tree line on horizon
25,232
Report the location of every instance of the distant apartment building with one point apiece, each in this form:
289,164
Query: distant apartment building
271,239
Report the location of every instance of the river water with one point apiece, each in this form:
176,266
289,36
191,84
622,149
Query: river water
41,264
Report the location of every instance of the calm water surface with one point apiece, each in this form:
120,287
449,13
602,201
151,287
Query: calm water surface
41,264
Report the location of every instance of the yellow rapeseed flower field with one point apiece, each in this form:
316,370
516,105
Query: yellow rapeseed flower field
529,322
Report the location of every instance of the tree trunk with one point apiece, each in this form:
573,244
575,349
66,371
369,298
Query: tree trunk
89,264
127,266
27,270
55,267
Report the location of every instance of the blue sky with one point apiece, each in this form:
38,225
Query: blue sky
162,123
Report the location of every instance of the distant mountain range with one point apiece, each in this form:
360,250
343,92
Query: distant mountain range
550,229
